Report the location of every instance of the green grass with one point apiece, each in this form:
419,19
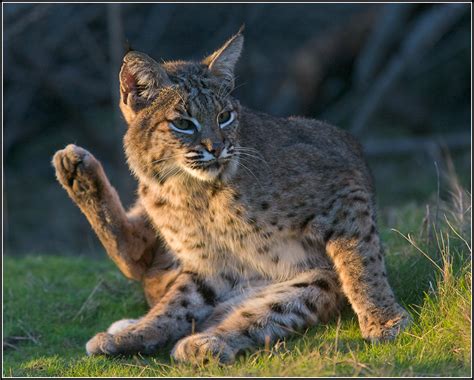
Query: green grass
53,305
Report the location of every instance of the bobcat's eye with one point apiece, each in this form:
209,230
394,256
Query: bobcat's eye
226,118
183,126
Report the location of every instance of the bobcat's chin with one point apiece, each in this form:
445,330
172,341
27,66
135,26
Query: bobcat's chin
214,171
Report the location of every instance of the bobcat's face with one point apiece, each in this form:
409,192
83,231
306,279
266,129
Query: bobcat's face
182,121
203,130
206,139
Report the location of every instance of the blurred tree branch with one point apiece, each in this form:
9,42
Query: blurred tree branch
35,13
330,51
39,67
428,29
381,40
393,146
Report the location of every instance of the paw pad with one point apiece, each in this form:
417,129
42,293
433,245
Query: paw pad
76,169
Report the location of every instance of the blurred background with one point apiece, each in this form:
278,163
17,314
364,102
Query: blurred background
398,76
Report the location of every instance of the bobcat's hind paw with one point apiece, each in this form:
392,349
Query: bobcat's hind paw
199,348
77,170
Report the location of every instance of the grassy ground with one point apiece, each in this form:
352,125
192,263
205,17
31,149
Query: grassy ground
53,305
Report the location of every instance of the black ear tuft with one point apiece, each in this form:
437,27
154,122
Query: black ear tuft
222,62
128,47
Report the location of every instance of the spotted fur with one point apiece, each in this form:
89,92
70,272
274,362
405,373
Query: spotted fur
247,227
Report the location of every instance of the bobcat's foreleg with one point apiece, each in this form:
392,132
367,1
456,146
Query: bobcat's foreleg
128,239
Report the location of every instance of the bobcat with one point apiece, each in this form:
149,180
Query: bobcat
247,227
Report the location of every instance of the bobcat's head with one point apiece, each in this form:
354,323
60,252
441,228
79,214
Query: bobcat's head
181,118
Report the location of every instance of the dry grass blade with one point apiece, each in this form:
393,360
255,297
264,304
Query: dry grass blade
412,242
88,299
458,234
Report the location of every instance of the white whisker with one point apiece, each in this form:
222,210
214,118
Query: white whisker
167,158
250,171
248,156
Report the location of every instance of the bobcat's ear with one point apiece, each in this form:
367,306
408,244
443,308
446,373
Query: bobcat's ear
222,62
141,78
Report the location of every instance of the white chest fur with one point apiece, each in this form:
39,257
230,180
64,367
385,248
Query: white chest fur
213,235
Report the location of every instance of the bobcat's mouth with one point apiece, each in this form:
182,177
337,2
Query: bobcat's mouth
216,165
210,170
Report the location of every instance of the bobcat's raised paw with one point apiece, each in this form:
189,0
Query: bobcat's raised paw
77,170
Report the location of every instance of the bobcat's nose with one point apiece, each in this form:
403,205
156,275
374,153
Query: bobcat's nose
213,147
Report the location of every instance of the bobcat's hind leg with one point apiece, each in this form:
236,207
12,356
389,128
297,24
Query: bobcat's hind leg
271,313
126,239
